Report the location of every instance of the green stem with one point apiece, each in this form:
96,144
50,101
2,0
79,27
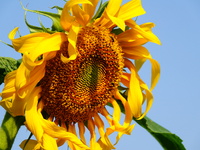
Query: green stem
9,129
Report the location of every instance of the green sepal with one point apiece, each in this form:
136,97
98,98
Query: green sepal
100,10
33,29
59,9
9,129
7,65
117,31
45,29
6,44
56,26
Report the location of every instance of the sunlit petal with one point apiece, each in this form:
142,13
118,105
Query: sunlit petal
130,10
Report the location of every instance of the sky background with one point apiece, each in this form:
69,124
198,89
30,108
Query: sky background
176,104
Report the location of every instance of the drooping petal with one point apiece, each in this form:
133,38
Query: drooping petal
103,136
7,104
149,98
127,128
82,131
128,115
10,100
135,97
32,119
91,128
141,53
9,82
145,30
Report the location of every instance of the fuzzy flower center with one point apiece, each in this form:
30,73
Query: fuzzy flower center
74,91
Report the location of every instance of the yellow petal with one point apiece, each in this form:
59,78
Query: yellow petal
135,97
113,7
30,145
149,98
27,42
90,9
130,10
33,120
72,50
48,44
145,30
66,19
136,52
117,111
128,114
58,132
81,16
141,53
49,143
7,104
91,128
9,82
81,127
117,21
11,101
127,130
104,137
131,38
26,80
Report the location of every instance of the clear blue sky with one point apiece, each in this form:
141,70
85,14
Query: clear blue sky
177,101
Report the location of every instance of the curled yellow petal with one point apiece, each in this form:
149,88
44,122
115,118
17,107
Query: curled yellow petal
27,42
66,19
72,49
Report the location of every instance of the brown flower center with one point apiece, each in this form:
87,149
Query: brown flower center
74,91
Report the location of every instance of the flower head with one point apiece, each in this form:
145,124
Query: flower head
67,78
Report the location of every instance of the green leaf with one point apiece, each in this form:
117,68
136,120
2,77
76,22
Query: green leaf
7,65
9,129
168,140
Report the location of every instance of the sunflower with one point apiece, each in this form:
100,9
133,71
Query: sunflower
67,78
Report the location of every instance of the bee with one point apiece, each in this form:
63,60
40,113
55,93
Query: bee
112,39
